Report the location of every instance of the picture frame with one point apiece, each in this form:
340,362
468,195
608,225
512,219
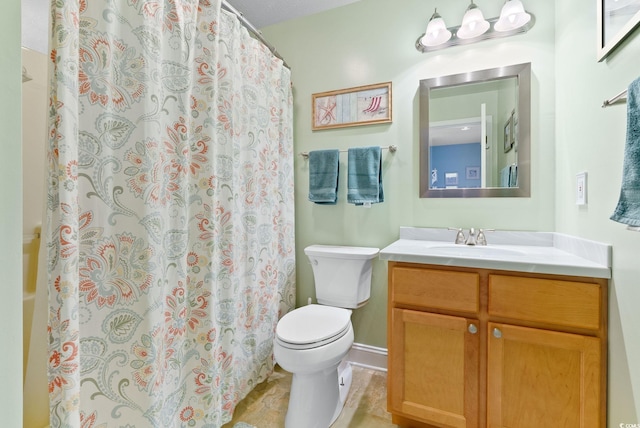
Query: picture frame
361,105
616,21
472,173
451,179
508,135
514,130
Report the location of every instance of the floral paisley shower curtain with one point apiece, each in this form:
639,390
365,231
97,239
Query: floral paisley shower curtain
170,216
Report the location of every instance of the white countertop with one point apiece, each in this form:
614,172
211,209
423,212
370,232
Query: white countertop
534,252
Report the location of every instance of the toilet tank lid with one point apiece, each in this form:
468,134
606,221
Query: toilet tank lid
343,252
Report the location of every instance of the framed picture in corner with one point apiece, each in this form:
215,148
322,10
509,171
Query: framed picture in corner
514,130
617,19
508,135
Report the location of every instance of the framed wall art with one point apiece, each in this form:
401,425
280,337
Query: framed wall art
514,130
451,178
472,173
362,105
617,19
508,135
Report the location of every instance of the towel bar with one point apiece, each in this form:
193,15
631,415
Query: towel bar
392,148
618,98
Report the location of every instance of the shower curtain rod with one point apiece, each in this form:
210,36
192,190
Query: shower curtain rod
253,30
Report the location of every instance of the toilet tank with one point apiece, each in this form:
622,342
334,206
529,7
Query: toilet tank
342,275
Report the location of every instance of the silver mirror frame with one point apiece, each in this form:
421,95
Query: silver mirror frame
523,73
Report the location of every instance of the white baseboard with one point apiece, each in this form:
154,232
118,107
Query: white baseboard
370,357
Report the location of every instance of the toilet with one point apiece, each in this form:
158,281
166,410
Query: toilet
313,341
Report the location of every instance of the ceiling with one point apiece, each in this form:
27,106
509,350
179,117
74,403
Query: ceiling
35,18
465,131
261,13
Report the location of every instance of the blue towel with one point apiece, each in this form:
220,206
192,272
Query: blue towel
323,176
505,176
364,178
628,209
513,176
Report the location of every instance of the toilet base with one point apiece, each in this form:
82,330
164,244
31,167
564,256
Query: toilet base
316,400
345,375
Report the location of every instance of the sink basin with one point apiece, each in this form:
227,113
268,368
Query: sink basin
534,252
473,251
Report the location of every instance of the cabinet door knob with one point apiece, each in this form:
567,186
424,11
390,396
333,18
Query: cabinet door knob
497,333
472,329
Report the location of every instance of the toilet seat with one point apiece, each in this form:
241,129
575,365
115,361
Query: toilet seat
312,326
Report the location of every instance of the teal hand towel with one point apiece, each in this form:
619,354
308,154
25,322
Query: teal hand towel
628,209
364,177
513,176
505,176
323,176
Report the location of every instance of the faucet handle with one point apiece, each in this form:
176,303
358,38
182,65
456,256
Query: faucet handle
482,238
460,239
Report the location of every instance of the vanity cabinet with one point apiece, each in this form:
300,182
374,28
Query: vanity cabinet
485,348
441,386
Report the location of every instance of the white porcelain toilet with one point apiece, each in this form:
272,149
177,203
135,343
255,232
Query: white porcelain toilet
312,341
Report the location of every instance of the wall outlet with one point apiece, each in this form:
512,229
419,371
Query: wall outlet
581,188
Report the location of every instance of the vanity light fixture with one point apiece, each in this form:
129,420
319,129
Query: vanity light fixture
513,19
437,32
473,23
512,16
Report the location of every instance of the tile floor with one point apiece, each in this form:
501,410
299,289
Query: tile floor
266,405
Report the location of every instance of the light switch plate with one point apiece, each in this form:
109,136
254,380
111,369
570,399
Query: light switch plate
581,188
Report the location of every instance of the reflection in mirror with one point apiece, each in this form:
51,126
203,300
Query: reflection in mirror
474,133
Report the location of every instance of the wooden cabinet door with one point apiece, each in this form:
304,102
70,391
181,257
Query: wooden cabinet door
539,378
433,368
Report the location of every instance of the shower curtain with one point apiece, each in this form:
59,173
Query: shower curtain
170,222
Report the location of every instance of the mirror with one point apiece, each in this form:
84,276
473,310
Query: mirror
475,134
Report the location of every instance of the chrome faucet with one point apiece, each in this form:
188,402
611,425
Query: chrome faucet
460,239
481,239
471,238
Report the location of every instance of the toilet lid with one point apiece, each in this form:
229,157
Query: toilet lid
313,323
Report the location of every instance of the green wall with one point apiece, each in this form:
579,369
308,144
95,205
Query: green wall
590,138
372,41
11,216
